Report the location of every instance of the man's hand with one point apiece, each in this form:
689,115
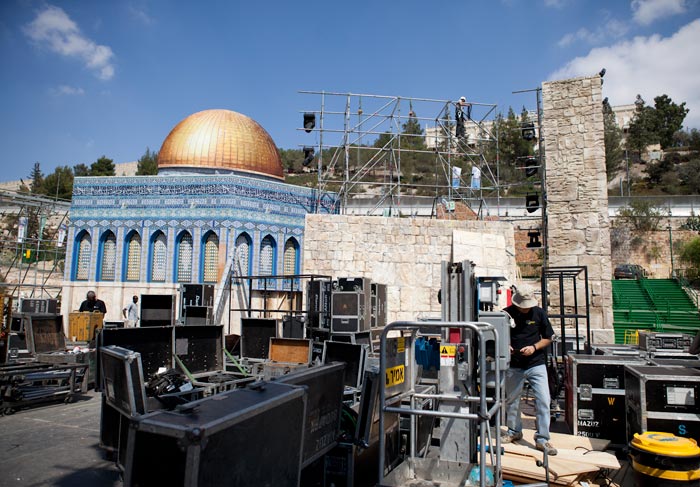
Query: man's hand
528,350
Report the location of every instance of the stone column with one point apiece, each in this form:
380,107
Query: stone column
577,197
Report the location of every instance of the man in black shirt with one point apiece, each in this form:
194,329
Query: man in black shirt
531,335
92,304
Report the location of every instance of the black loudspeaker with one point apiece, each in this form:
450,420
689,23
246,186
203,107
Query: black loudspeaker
353,284
195,295
197,315
350,312
292,327
39,306
318,304
157,310
255,336
378,311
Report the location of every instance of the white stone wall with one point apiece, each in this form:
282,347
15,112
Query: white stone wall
405,254
577,201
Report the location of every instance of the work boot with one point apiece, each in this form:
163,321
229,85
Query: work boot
509,437
546,447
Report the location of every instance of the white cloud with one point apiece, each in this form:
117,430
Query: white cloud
140,14
67,90
647,11
611,29
554,3
650,66
54,29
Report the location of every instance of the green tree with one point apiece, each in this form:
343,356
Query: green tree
613,140
37,178
641,131
59,184
642,215
690,253
102,167
148,164
80,170
689,176
668,119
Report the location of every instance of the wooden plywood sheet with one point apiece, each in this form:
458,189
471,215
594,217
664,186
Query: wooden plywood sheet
290,350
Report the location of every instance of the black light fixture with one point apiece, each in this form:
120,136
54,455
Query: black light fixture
601,74
528,130
308,155
532,202
534,242
531,166
309,122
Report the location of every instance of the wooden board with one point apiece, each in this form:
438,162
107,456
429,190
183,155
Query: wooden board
290,350
518,467
570,442
595,459
81,326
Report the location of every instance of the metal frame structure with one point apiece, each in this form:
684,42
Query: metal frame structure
352,122
33,281
560,274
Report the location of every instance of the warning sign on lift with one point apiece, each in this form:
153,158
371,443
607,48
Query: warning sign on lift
447,354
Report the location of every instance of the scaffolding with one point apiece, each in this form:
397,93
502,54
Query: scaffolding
364,146
32,245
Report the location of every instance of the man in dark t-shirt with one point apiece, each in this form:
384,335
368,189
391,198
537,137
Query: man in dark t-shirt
92,304
531,335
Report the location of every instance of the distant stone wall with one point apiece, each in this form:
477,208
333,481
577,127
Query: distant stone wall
405,254
577,199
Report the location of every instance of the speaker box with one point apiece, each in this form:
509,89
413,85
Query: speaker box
197,315
196,295
292,327
350,312
378,310
157,310
318,303
353,284
255,336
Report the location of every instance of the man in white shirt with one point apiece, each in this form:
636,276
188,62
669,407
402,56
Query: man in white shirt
131,313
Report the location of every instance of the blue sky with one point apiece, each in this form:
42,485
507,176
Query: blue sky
79,79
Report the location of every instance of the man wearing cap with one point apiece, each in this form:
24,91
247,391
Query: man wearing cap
530,336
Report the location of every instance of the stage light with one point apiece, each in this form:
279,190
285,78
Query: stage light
534,242
531,166
308,155
602,73
532,202
528,130
309,122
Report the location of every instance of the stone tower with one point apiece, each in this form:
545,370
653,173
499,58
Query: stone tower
577,196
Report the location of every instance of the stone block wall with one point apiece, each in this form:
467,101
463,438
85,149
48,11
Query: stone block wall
577,201
405,254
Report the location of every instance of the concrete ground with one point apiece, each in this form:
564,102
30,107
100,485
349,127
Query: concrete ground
55,445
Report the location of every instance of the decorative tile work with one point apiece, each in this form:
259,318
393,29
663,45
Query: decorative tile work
184,258
290,257
159,259
133,258
211,258
243,255
83,259
267,252
109,257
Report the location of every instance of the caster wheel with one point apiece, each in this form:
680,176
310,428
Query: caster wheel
68,400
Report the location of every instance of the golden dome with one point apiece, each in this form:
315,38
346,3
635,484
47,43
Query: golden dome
221,140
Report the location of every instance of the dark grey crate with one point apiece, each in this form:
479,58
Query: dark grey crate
662,399
245,438
323,406
122,380
595,395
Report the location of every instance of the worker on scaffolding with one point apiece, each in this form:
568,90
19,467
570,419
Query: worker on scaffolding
463,112
530,335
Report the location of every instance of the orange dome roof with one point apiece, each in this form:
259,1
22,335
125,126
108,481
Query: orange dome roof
221,139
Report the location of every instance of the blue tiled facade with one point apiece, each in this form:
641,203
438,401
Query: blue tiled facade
226,205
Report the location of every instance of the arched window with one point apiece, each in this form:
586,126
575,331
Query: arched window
108,256
159,257
267,256
133,257
242,267
184,257
210,260
291,256
83,257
